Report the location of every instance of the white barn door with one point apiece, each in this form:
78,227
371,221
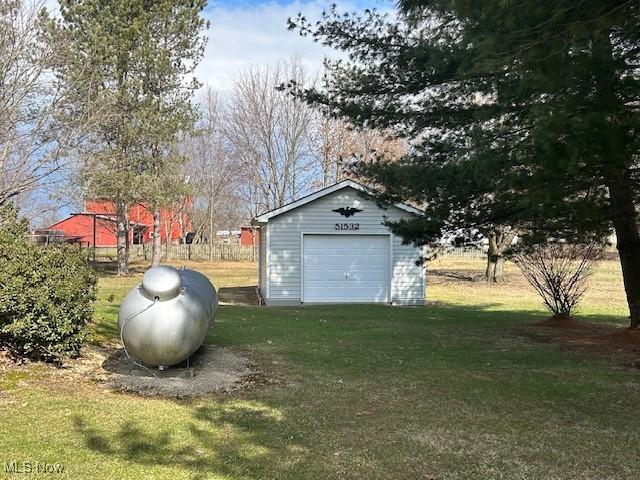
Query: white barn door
345,268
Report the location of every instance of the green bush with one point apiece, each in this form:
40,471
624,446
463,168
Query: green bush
46,295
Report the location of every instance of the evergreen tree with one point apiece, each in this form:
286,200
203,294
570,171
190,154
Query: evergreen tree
123,64
521,114
171,47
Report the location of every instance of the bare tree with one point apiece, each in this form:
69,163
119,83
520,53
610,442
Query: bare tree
336,145
214,174
32,143
558,272
268,131
372,143
333,145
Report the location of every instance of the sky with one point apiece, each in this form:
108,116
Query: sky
243,33
246,33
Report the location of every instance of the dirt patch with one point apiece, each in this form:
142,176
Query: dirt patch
615,343
450,276
470,277
210,370
247,295
566,323
6,362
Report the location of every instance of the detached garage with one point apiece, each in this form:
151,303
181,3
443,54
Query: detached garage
332,247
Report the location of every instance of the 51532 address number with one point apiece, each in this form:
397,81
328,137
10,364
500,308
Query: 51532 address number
347,226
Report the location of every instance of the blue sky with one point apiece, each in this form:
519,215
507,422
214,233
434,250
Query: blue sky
253,32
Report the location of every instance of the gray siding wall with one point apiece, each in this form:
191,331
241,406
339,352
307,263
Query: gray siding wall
262,261
317,217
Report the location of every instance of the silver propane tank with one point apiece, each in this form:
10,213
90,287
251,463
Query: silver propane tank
166,318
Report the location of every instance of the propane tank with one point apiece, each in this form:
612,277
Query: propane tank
166,318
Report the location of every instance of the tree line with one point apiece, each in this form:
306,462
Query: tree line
105,93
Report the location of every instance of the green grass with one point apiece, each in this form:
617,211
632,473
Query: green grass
448,391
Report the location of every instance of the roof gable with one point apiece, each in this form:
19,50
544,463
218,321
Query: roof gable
265,217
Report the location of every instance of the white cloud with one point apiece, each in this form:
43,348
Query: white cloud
249,33
52,5
246,35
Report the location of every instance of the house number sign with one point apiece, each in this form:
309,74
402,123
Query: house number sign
347,226
347,212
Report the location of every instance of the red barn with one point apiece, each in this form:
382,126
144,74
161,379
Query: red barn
99,221
249,236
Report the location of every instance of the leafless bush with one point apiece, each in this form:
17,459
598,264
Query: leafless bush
559,272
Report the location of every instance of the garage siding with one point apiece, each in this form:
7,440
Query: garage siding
317,217
262,261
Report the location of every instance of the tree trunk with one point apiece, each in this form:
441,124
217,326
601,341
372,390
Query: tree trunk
167,239
212,232
492,258
624,220
499,242
499,269
494,270
181,225
617,177
157,239
122,245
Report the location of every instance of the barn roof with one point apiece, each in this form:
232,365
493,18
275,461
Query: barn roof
99,216
265,217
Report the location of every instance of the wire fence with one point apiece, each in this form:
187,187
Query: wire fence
460,252
196,252
609,253
237,253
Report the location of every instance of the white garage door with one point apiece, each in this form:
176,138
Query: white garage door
345,268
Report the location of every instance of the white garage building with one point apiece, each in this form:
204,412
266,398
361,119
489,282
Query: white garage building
332,247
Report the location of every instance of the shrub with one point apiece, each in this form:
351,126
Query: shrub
558,271
46,295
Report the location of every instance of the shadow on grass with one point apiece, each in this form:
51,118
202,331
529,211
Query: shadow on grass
495,311
110,268
104,325
351,362
596,336
455,275
483,312
226,439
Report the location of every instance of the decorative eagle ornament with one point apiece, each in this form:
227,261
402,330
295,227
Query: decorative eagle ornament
347,211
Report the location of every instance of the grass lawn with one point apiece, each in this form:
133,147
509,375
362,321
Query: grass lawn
447,391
